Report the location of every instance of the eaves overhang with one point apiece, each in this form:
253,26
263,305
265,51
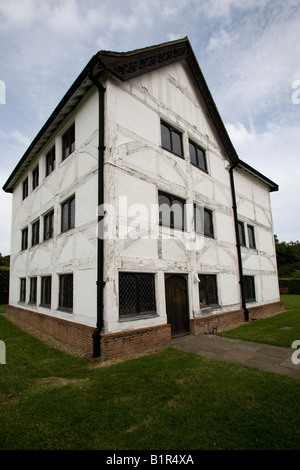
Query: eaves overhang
256,174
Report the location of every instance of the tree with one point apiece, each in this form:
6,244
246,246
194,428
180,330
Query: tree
288,258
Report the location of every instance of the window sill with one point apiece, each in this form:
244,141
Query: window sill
138,317
210,307
65,310
199,168
173,153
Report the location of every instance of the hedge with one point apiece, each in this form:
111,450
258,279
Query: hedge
4,284
293,285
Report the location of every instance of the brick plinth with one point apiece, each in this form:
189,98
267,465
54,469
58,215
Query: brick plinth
134,341
224,321
74,334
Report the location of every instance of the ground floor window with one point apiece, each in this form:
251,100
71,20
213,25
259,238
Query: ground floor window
249,288
46,291
22,290
33,285
66,292
208,290
136,294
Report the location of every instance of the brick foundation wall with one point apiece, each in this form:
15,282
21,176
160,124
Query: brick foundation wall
114,345
68,332
218,322
135,341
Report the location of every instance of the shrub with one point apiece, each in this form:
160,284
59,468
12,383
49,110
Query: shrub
4,284
293,285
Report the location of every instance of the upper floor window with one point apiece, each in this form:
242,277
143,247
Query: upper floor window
208,290
25,188
203,221
24,241
68,214
68,142
251,236
35,177
198,157
171,211
50,161
249,288
48,225
35,238
242,238
171,139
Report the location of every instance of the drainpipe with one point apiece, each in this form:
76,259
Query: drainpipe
100,238
238,244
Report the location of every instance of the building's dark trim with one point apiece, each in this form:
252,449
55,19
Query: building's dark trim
100,237
238,244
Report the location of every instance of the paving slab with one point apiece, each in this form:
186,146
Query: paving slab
263,356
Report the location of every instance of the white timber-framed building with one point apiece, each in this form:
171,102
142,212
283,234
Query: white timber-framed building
134,220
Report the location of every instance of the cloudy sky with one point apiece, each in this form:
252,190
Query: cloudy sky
248,50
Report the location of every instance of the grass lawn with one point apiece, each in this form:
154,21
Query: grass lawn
270,330
2,308
165,401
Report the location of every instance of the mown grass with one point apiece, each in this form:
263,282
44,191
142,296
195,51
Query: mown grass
269,330
164,401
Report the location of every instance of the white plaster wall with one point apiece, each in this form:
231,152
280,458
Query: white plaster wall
75,250
137,167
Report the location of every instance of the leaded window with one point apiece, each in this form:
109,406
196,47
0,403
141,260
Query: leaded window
24,241
208,290
25,188
136,294
249,288
35,177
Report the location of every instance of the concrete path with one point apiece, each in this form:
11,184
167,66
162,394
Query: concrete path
269,358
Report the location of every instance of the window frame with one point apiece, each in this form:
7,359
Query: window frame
23,289
70,216
172,199
24,239
35,233
35,177
66,300
241,233
49,216
251,237
25,189
206,233
171,147
33,290
46,291
138,301
50,160
205,278
198,148
249,288
68,142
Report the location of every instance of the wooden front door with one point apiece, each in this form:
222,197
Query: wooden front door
177,304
